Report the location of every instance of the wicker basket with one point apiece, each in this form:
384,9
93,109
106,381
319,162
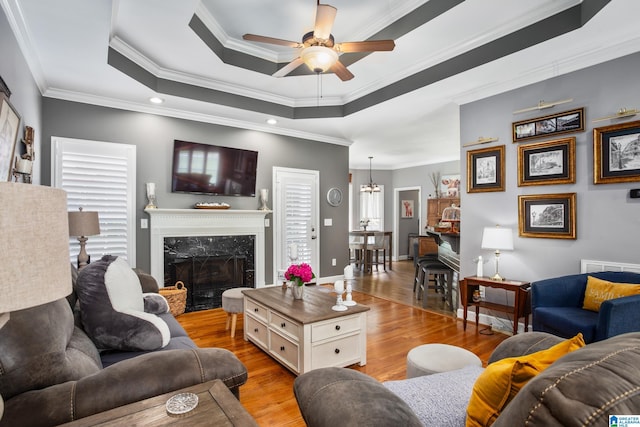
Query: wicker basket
176,296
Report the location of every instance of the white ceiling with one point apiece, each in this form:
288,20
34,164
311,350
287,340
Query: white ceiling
66,43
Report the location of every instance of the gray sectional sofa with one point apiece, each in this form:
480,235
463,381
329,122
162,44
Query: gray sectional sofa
581,388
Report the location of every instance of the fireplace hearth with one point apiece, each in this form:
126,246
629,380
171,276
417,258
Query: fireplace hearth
209,265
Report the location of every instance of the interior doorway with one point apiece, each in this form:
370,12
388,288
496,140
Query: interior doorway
407,219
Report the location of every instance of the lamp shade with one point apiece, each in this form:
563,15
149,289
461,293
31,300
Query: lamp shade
84,223
35,239
497,238
319,58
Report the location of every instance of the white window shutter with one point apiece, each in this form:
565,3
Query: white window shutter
99,176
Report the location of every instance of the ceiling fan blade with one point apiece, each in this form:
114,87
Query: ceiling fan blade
365,46
341,71
288,68
271,40
325,15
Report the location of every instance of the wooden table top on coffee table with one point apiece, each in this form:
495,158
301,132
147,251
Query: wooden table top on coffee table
217,406
314,307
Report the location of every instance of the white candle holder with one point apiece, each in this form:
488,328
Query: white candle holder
349,302
338,288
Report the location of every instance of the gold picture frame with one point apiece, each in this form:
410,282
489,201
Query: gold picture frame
485,169
547,163
551,216
616,155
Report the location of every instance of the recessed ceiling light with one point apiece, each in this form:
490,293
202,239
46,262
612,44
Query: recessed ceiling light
272,121
156,100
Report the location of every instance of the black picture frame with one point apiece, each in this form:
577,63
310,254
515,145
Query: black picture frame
485,169
551,216
616,153
547,163
553,124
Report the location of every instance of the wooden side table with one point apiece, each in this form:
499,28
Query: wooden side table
217,406
521,307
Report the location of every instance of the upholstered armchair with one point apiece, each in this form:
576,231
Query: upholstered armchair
557,307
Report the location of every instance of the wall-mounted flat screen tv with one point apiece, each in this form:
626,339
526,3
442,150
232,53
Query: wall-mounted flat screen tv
212,169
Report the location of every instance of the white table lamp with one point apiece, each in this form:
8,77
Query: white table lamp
35,231
498,239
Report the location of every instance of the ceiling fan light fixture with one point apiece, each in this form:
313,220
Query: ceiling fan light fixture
319,58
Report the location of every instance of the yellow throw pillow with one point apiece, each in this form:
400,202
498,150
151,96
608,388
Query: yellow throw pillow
501,381
599,290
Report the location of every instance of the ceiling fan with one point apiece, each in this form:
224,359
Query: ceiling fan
319,50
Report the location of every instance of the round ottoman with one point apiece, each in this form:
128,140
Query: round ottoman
233,303
430,359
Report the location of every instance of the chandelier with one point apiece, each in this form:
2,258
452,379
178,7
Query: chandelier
372,187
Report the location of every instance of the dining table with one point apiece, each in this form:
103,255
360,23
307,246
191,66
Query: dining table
367,236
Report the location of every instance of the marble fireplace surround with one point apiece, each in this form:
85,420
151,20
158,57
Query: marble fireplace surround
206,222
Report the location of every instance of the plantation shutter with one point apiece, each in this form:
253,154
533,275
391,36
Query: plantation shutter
99,176
296,218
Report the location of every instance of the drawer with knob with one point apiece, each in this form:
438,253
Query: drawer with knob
255,309
285,350
338,352
257,331
335,328
284,325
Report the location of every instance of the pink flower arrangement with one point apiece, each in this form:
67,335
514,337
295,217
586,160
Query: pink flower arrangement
299,273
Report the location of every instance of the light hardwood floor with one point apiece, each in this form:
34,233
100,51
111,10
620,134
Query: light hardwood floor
395,324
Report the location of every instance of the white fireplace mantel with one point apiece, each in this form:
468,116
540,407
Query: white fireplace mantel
206,222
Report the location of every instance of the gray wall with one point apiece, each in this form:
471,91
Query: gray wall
608,221
153,136
25,96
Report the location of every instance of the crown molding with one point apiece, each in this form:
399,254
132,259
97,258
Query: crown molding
198,117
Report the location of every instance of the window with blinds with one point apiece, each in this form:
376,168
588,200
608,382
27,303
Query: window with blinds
99,176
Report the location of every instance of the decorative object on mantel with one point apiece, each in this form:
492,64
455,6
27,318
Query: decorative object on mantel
481,140
338,288
207,205
542,105
151,196
264,198
620,114
299,274
81,225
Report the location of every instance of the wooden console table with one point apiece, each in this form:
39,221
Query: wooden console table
305,334
217,406
521,307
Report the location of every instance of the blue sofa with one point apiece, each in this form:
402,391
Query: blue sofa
556,307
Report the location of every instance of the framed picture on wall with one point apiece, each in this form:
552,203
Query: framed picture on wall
551,216
485,169
450,185
406,209
567,121
9,125
616,153
549,162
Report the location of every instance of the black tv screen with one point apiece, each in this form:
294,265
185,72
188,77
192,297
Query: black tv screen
211,169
